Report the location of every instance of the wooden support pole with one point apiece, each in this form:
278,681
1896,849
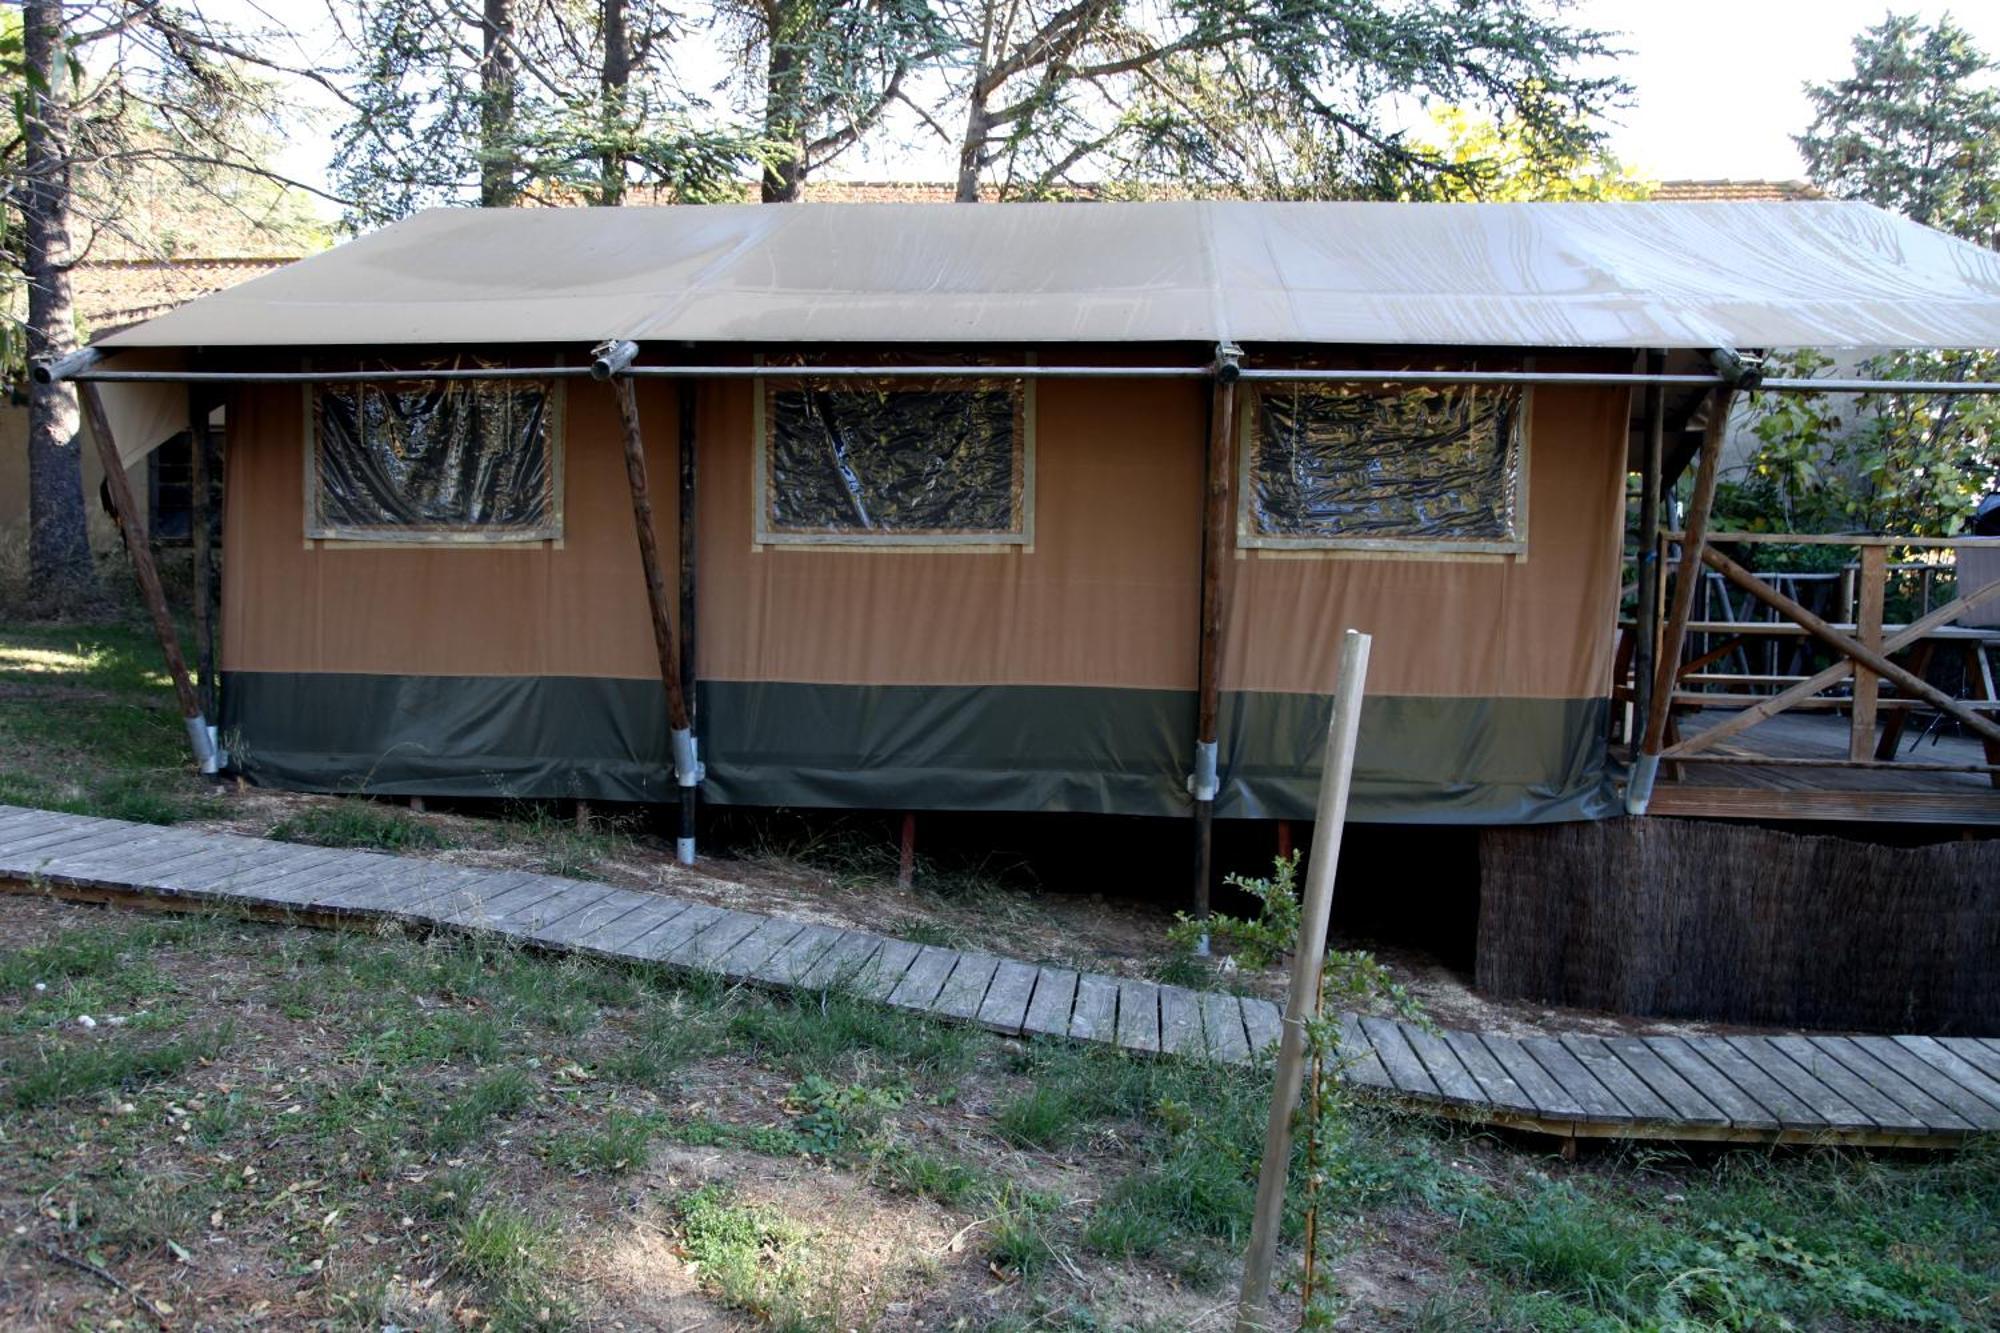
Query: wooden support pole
1668,658
906,852
199,407
1868,632
1833,675
685,418
1205,783
1646,609
1863,656
686,772
140,552
1253,1313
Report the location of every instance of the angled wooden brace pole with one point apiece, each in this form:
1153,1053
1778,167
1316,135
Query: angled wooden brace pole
147,573
1667,662
607,360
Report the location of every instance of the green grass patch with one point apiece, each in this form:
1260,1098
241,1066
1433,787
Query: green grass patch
96,732
506,1252
706,1132
1046,1116
944,1180
559,846
838,1036
1825,1239
752,1258
66,1069
357,822
618,1146
500,1093
1020,1234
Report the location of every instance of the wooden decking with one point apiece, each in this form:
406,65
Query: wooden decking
1902,1091
1746,789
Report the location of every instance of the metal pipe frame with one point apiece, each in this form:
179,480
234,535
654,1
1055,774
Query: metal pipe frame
1263,375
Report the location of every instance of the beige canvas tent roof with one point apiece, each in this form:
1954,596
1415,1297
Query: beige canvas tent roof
1520,275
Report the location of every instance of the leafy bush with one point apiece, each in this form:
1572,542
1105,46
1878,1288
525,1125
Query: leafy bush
1258,941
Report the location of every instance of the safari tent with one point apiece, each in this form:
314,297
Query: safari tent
1030,507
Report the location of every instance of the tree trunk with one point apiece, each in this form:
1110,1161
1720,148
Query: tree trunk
784,98
617,76
498,180
972,149
60,569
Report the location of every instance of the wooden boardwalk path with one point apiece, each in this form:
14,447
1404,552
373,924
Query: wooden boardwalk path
1895,1091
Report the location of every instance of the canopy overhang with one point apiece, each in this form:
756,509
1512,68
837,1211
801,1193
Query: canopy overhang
1506,276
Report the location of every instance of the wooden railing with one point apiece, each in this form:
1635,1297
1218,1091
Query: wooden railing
1864,647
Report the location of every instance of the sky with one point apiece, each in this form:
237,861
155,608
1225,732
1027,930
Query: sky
1718,84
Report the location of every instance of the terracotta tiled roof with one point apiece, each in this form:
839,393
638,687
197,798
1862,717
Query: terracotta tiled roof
1780,192
941,192
113,293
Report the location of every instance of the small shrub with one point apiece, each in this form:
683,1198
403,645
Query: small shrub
833,1116
359,823
1258,941
750,1258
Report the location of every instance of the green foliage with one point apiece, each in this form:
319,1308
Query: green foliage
1915,464
432,122
95,731
751,1258
833,1117
839,1036
358,822
1258,941
1914,129
1048,1115
940,1179
1301,101
561,848
1512,159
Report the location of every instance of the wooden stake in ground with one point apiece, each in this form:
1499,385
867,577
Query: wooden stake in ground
1335,780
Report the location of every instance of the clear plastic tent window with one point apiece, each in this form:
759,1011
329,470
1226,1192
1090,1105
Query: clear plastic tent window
1335,467
894,462
436,460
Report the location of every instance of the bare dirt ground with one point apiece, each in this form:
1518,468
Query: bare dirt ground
284,1179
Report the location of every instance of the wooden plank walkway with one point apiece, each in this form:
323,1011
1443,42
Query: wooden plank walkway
1909,1091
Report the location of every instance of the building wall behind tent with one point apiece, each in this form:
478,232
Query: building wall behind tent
14,482
1059,675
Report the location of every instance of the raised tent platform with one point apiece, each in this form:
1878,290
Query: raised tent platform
1762,776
